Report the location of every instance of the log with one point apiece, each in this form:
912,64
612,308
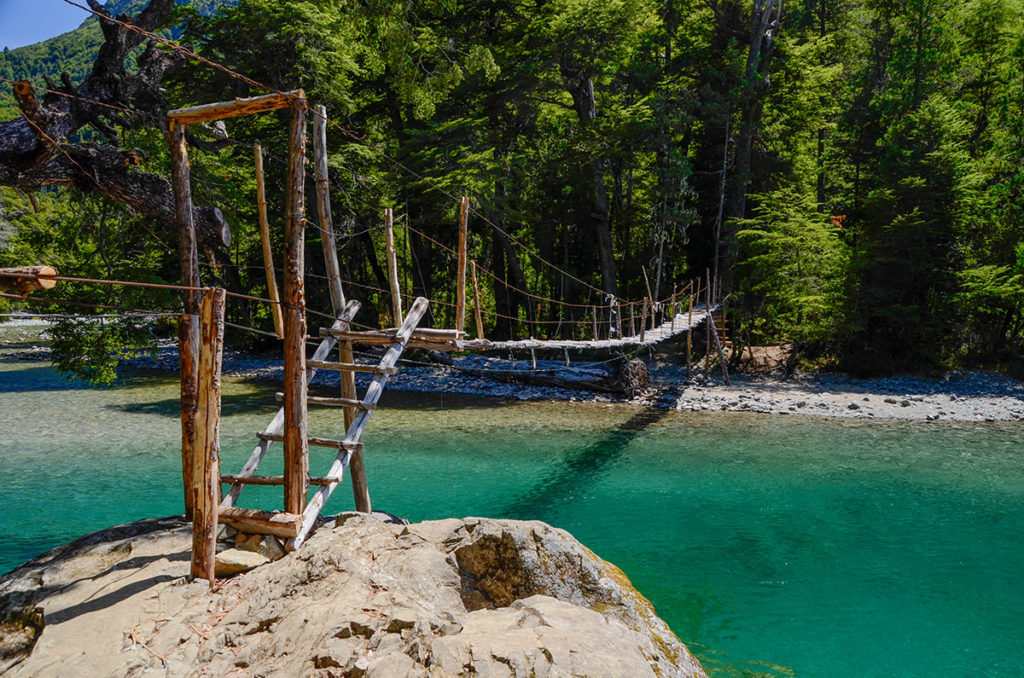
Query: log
323,203
296,452
477,311
253,521
206,460
188,326
396,291
25,279
268,255
460,283
236,107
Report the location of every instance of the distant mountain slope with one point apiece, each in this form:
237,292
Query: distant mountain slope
74,51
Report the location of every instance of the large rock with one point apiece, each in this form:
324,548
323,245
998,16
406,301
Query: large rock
360,599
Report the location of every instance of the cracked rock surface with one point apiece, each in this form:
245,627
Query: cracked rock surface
362,598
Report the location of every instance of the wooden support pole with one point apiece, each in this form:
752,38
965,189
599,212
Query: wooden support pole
672,311
268,255
188,326
205,488
477,311
396,291
460,283
323,205
690,319
643,321
296,457
618,319
25,279
707,327
593,311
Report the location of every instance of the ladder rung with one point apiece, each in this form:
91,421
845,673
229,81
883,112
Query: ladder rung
319,442
350,367
386,337
334,402
271,480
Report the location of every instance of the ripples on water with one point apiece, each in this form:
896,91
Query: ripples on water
773,546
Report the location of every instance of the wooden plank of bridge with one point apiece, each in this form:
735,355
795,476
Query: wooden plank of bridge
268,256
188,325
234,108
205,462
277,423
296,457
355,431
25,279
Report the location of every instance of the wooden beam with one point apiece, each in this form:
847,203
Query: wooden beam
396,291
268,256
253,521
318,442
350,367
227,478
323,204
296,452
477,312
460,283
25,279
206,461
188,325
236,107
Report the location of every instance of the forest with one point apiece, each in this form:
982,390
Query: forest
851,172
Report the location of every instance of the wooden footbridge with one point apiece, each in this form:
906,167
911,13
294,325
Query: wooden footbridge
212,497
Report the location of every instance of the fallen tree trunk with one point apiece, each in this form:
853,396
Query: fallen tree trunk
626,377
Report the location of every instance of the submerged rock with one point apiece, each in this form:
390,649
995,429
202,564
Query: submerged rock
361,598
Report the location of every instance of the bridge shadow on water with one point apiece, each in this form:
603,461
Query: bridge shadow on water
581,469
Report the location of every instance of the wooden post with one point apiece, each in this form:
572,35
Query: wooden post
690,320
205,488
268,256
188,326
396,292
632,318
323,204
25,279
593,310
477,312
689,332
460,289
707,327
672,310
296,457
618,319
643,321
357,467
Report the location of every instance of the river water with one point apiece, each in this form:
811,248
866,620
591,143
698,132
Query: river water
773,546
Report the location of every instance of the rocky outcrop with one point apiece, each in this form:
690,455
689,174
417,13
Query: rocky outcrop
361,598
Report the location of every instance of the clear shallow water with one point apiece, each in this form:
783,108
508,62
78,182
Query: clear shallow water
773,546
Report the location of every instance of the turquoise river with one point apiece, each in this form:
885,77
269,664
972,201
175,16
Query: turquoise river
773,546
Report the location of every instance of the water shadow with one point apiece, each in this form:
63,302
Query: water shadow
41,378
582,468
242,403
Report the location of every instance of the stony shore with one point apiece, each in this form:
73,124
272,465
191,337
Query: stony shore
957,396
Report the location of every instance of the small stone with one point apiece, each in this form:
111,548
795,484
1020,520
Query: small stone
234,561
802,403
853,406
904,403
892,401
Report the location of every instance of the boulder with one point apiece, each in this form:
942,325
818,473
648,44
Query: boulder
360,598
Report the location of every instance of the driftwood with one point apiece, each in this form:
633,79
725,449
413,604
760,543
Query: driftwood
35,150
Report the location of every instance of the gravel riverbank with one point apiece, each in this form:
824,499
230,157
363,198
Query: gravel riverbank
957,396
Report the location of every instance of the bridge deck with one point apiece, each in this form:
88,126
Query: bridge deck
663,332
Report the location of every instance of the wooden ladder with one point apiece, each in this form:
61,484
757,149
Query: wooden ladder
296,527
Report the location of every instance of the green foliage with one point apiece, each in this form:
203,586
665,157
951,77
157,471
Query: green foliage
90,349
886,161
794,265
